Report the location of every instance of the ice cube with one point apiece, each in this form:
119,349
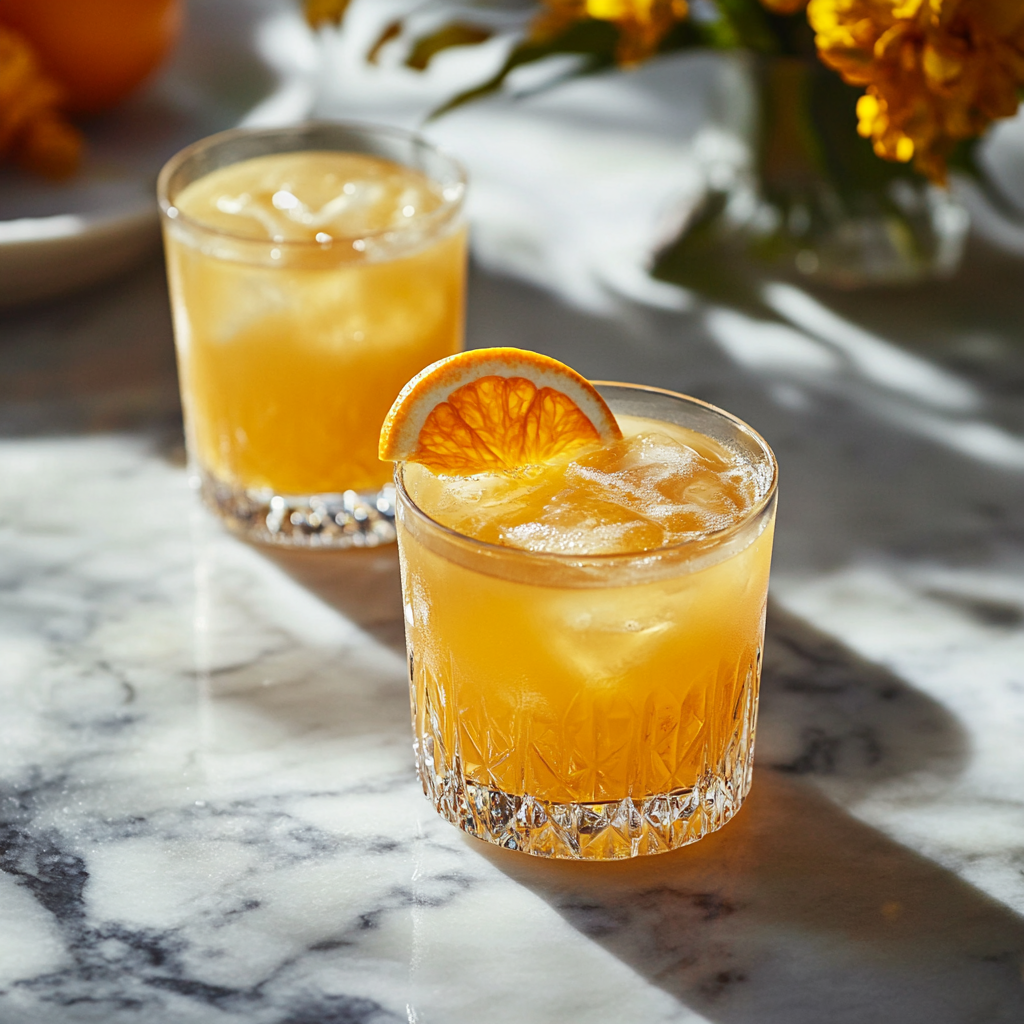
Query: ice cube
598,638
641,493
665,481
566,532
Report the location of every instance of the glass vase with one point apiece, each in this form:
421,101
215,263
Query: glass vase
817,203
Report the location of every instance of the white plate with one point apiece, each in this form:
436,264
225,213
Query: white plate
228,70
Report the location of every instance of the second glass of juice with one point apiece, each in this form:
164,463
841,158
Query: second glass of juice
585,638
312,270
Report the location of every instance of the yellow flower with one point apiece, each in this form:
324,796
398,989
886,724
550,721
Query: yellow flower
642,24
936,71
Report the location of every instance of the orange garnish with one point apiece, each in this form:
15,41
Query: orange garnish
492,410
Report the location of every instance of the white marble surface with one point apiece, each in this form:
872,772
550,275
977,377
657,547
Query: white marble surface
207,805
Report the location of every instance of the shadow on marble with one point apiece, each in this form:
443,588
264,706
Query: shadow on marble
850,724
364,585
797,912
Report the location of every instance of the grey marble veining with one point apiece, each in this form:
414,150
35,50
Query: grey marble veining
208,810
209,805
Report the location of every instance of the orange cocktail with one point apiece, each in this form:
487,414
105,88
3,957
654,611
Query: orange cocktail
312,272
585,636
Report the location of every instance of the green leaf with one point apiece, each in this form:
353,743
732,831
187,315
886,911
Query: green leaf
749,25
456,33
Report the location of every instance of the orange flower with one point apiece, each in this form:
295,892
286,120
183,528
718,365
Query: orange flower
642,24
936,71
32,129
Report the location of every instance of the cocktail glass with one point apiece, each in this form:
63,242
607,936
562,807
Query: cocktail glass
591,707
291,352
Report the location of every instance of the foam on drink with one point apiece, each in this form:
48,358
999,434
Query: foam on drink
660,485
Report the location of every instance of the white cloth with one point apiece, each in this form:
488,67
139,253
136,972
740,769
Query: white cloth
573,186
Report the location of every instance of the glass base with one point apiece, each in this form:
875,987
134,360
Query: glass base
352,519
586,831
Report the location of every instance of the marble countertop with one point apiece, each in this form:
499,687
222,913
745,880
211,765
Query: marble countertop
208,810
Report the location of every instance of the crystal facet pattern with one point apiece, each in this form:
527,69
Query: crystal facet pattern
352,519
585,723
612,830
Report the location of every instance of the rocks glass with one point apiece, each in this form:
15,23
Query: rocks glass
295,333
591,707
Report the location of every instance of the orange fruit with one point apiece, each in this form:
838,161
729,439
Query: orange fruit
493,410
99,50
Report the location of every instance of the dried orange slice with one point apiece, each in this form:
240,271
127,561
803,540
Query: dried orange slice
493,410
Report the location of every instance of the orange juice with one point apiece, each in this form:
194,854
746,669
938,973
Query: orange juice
585,638
307,287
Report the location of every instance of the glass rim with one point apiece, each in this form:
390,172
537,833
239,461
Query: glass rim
447,210
712,539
